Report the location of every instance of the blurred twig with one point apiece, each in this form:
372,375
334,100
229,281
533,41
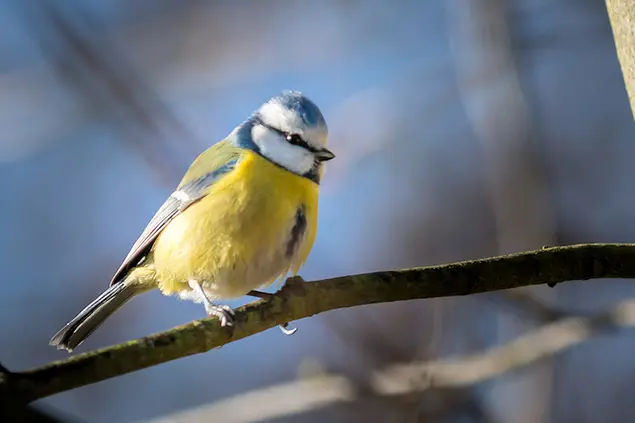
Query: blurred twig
299,300
99,74
438,375
495,104
524,303
622,15
491,89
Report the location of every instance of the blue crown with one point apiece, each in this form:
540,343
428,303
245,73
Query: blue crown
305,108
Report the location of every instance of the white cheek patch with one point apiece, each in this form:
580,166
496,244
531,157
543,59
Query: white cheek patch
276,148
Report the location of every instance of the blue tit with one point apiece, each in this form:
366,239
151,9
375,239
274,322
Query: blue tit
243,216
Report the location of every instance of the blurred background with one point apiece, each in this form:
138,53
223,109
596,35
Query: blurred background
462,128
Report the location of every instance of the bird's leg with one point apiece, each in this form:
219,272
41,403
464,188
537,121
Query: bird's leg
267,296
224,312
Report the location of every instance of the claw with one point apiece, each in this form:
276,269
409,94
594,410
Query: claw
267,296
228,309
285,329
224,313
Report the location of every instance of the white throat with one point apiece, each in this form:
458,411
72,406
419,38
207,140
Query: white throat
276,148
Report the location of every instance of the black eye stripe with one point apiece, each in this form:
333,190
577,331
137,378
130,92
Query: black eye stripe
293,139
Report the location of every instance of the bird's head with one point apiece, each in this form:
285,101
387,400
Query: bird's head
290,130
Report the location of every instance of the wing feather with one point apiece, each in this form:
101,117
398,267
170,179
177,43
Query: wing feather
218,160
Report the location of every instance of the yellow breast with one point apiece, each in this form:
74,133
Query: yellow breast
236,238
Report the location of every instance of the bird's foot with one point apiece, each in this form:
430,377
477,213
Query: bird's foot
224,313
267,296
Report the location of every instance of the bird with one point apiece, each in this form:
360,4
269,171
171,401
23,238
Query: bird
243,216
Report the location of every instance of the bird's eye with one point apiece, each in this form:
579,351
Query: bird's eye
295,139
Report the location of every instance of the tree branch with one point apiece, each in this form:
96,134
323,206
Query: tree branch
302,396
299,300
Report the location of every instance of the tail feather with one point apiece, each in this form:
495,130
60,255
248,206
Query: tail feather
93,315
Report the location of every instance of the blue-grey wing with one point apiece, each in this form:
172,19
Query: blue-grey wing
186,195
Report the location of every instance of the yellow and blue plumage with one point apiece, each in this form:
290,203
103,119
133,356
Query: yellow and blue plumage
244,215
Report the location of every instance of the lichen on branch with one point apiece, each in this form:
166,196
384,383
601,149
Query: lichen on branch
298,300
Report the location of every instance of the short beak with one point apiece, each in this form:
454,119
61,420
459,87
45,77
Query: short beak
324,155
